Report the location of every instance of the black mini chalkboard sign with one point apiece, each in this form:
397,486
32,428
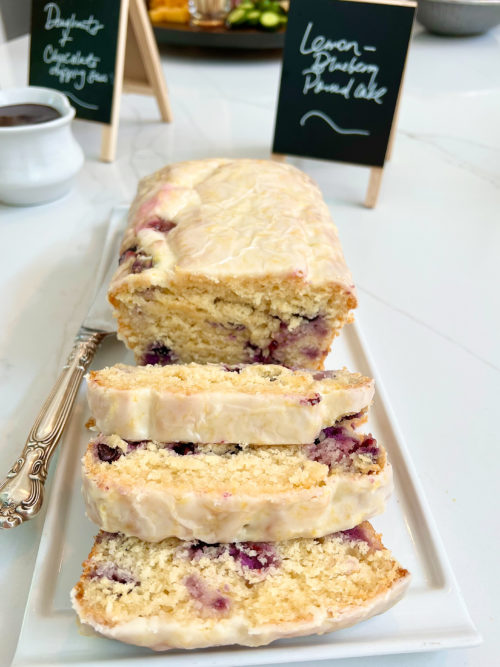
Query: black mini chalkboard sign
73,49
343,65
93,50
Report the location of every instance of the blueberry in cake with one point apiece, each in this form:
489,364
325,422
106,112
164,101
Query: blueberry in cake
233,261
175,594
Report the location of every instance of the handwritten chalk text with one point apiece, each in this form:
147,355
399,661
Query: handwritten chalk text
75,68
329,58
91,25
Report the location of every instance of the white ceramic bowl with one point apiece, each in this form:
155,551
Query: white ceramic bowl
38,163
458,17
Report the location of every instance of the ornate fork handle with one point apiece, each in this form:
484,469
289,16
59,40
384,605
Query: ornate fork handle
21,494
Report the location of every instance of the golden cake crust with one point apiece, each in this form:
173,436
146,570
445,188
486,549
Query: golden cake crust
261,404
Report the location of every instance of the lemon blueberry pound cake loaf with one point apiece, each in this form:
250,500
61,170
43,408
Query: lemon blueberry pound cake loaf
174,594
234,261
228,492
261,404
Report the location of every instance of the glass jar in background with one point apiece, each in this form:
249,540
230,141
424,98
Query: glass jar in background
209,13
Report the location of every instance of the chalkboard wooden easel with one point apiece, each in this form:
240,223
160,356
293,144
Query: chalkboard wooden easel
93,51
343,67
137,70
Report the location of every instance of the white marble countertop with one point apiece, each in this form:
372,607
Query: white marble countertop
425,262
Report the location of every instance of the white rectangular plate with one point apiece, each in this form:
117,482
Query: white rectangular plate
431,616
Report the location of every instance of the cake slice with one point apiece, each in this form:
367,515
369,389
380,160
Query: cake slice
256,403
227,493
234,261
175,594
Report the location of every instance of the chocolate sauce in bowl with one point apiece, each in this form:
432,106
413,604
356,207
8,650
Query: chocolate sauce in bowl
27,114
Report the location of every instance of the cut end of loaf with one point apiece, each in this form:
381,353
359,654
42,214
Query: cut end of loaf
217,323
231,261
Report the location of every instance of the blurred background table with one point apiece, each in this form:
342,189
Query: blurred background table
425,262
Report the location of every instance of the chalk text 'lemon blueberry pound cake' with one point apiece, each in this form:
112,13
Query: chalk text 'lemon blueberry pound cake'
233,261
175,594
229,492
261,404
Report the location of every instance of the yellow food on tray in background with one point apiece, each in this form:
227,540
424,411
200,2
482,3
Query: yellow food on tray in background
173,11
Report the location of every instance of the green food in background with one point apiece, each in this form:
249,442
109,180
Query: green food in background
266,14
